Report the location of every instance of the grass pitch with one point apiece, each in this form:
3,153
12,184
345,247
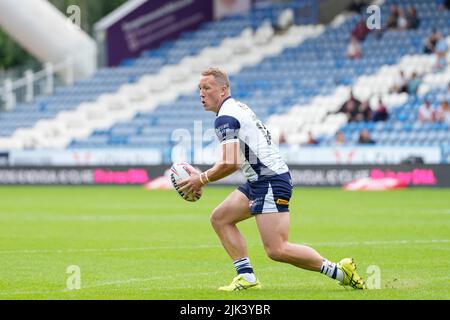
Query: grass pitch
131,243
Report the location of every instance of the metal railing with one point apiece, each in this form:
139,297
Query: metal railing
43,82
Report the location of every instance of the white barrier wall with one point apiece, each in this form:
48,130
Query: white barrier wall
295,155
84,157
49,35
359,155
356,155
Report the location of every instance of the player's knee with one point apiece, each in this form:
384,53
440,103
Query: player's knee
276,253
216,218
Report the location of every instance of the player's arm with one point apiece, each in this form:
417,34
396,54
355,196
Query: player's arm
227,164
227,128
227,131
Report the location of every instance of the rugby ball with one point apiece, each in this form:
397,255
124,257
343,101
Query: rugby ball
180,171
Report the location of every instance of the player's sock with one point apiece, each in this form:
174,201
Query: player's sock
331,270
250,277
244,267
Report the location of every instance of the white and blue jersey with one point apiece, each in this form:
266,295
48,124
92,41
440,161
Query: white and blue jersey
269,185
261,158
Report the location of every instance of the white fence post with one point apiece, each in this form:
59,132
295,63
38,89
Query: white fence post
33,84
29,84
49,83
9,97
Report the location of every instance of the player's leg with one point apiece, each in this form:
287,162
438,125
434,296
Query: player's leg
274,231
271,207
224,218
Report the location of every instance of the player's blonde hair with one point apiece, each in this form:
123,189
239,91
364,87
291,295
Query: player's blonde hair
219,75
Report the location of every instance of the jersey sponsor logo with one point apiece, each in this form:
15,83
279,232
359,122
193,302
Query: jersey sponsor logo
282,202
226,133
242,105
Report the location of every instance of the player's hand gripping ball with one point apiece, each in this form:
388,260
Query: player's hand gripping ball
178,172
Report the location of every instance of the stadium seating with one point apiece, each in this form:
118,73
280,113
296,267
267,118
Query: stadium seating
407,45
301,83
294,82
144,79
142,90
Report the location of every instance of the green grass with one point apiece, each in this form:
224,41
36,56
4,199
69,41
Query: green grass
132,243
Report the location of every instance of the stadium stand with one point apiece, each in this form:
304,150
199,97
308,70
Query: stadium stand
269,73
130,83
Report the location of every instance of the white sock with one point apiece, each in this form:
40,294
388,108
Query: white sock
250,277
330,269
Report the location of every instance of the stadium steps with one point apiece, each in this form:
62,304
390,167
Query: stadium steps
67,124
313,116
233,54
269,96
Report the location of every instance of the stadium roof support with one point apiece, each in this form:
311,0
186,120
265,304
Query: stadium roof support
49,35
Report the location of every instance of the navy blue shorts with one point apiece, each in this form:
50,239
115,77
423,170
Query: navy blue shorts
272,194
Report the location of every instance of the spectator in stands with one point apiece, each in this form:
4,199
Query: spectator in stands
413,84
400,83
311,139
392,22
282,140
402,22
360,31
350,107
445,5
441,53
447,94
413,21
364,137
354,49
426,112
364,112
381,113
339,138
284,21
443,112
431,41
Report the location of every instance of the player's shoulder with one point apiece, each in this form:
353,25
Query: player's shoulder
228,108
233,108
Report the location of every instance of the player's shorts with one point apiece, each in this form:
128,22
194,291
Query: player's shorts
271,194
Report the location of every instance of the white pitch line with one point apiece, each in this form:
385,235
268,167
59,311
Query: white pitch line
111,283
125,249
381,242
155,278
118,283
156,248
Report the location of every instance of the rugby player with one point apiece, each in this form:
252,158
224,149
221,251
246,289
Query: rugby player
265,196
